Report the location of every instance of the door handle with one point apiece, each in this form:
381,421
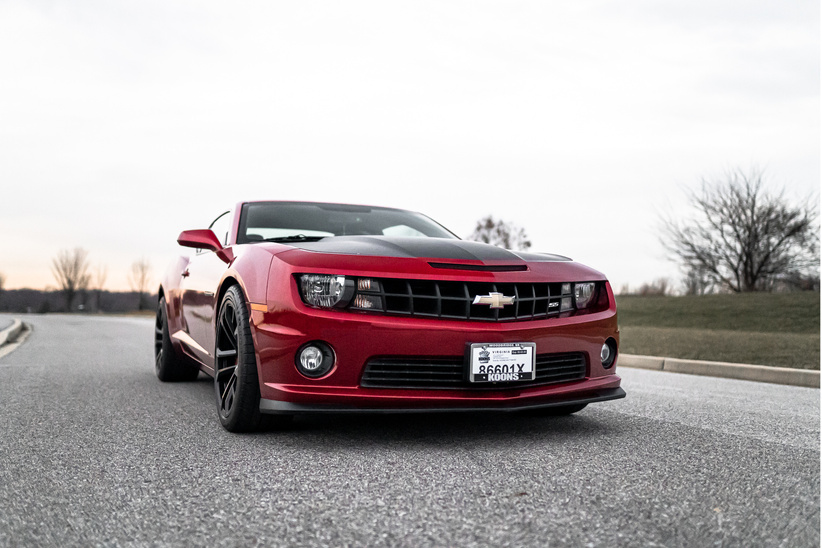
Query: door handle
185,273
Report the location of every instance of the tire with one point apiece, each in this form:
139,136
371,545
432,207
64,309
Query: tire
236,384
168,365
558,410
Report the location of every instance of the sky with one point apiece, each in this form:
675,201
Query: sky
123,123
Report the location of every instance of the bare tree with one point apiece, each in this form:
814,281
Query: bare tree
70,269
139,279
697,282
657,288
2,284
98,281
742,237
500,233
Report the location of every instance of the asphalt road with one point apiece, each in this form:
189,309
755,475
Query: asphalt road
94,450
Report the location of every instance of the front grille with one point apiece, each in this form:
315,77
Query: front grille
453,300
450,372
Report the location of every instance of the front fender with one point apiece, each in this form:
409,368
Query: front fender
249,269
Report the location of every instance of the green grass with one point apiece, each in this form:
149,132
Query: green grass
762,312
777,329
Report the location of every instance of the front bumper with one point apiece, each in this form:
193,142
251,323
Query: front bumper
357,338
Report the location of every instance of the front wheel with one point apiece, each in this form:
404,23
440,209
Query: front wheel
236,384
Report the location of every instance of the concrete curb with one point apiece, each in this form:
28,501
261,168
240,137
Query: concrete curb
741,371
9,333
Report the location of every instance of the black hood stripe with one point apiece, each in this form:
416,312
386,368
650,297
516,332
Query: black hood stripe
428,248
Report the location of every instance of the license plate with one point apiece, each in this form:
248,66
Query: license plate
502,362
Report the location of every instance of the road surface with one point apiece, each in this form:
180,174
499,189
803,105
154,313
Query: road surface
94,450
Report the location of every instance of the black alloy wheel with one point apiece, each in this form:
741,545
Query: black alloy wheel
168,365
236,383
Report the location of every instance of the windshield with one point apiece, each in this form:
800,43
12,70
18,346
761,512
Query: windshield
303,221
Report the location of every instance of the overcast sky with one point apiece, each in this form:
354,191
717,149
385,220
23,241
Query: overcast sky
123,123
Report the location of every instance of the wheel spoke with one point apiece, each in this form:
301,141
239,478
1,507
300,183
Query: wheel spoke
228,331
229,353
230,398
221,372
230,320
228,391
224,322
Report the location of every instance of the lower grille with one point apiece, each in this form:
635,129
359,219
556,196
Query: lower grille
449,372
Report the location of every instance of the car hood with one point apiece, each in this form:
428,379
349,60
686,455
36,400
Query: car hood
428,248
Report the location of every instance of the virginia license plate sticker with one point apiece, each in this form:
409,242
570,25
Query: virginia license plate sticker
502,362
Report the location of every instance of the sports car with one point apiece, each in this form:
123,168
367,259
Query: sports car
300,307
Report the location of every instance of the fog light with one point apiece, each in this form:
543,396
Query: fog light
315,359
311,358
608,353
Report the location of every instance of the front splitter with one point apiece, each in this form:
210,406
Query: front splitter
288,408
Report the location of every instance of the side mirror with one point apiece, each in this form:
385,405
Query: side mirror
199,239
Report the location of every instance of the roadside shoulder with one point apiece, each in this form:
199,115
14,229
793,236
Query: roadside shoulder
13,336
10,333
748,372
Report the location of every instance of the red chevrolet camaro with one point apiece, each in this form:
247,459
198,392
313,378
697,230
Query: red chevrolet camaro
297,307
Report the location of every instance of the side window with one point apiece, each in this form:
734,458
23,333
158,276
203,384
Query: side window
220,226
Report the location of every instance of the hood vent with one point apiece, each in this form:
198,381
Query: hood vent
482,267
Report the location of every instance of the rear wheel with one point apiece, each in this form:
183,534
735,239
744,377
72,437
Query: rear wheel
236,384
168,366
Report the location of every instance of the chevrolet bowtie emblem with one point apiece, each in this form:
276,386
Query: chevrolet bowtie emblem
496,300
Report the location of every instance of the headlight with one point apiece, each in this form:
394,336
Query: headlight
583,293
326,291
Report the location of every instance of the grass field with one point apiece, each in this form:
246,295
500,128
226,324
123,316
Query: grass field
779,329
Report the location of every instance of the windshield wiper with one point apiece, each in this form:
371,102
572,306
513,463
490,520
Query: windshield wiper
296,238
